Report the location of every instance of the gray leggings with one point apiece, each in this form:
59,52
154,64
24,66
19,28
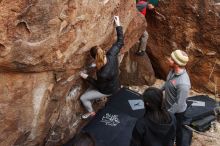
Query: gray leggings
143,41
88,96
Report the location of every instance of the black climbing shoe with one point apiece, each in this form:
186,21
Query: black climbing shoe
140,53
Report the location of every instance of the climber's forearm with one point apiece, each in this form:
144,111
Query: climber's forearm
159,14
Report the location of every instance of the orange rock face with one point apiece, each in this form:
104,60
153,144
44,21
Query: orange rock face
45,43
136,70
43,46
192,26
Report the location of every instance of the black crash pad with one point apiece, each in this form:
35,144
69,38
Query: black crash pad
113,125
194,113
110,127
121,99
204,123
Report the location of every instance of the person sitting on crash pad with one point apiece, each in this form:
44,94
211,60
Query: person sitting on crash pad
107,81
158,126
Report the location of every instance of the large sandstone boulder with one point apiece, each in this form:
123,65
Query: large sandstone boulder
43,46
193,26
136,70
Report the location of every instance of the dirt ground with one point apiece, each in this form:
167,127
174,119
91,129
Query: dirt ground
208,138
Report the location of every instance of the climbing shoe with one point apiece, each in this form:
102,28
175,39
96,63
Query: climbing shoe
140,53
88,115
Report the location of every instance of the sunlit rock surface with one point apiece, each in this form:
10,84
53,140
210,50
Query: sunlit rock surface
193,26
45,43
43,46
136,70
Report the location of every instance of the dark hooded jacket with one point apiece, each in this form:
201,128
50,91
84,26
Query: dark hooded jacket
107,77
149,133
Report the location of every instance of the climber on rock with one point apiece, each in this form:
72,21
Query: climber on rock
144,7
107,81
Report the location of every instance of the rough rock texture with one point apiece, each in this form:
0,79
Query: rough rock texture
193,26
136,70
43,46
23,106
45,43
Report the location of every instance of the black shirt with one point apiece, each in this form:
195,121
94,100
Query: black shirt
107,77
150,133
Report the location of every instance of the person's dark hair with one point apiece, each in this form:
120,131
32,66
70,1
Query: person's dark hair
83,139
93,51
155,108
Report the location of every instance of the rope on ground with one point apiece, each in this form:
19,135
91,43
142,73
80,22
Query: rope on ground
201,133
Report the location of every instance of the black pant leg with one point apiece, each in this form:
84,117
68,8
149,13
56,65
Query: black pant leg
183,135
179,132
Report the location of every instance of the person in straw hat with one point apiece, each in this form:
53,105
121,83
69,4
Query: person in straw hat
177,87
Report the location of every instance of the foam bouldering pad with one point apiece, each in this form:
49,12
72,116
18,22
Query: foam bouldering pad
113,124
111,127
128,102
203,123
200,107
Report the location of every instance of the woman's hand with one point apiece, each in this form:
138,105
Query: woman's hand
117,21
93,65
150,6
83,75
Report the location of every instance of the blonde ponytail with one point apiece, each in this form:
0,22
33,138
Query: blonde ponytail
100,58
